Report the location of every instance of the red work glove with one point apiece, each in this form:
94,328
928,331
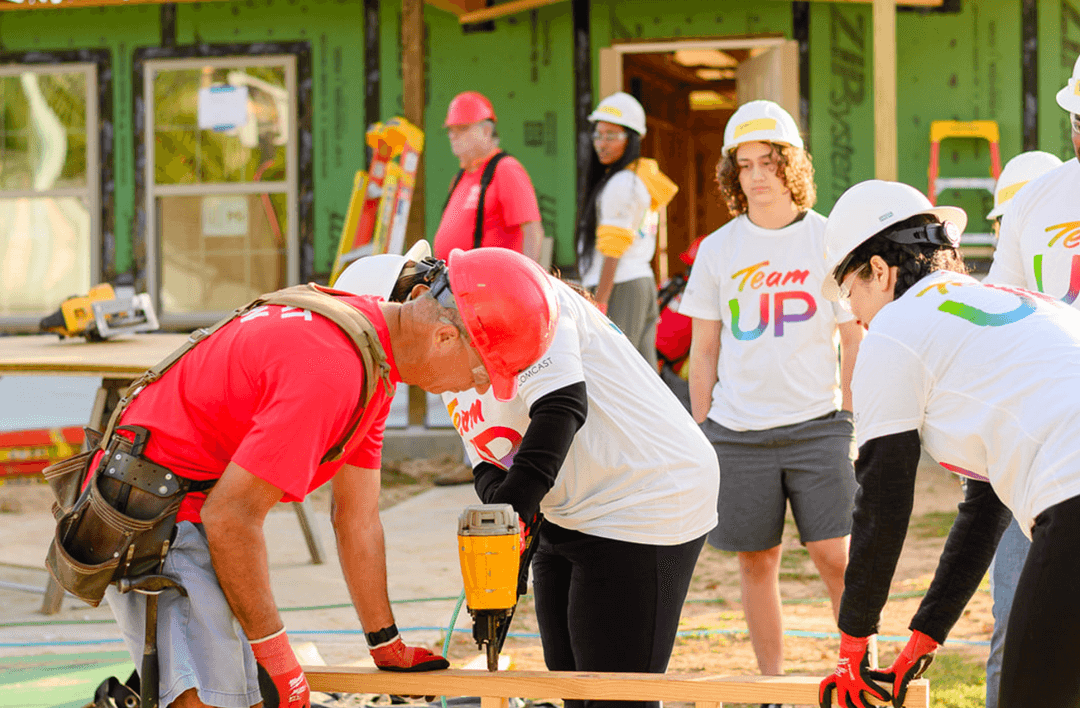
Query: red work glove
276,656
602,306
853,677
393,655
910,664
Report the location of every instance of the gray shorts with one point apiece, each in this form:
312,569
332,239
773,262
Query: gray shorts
810,463
200,642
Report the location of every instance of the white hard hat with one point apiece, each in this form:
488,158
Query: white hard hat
761,121
622,109
870,207
1017,172
1069,97
377,275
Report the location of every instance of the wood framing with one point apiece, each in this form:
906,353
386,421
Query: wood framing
73,4
495,688
515,6
886,157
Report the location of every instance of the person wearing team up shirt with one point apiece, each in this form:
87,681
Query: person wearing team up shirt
626,482
986,377
1012,550
764,377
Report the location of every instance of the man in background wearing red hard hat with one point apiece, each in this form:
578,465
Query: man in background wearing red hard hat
492,201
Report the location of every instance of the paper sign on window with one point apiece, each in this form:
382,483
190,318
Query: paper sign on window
223,107
225,216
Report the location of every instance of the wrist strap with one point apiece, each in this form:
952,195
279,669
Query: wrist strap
267,638
383,636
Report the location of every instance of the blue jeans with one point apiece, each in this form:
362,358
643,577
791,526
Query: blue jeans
1005,570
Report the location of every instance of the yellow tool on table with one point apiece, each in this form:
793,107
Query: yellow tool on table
100,314
495,569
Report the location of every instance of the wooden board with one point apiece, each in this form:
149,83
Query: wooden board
802,690
126,356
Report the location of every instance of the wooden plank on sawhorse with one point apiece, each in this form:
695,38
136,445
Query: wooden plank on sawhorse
119,362
495,688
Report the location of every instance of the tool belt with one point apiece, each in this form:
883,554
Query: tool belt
120,524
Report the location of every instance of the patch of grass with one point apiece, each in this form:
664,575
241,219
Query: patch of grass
394,476
794,558
935,524
957,681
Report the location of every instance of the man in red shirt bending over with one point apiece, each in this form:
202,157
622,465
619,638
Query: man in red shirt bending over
256,406
490,180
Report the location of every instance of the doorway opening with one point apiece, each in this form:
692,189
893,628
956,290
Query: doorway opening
689,89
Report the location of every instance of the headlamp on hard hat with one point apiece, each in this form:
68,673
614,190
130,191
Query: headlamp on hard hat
944,233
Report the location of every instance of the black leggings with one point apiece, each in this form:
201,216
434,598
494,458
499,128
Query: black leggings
605,605
1041,665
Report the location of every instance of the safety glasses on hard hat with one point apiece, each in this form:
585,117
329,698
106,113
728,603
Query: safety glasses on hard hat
427,268
440,290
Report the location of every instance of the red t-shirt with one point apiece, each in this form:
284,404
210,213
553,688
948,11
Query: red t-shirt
272,391
510,201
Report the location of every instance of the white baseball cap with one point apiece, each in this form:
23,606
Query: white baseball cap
377,275
869,208
761,121
1017,172
621,109
1069,97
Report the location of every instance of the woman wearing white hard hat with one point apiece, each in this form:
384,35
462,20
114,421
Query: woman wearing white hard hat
620,215
987,378
1013,547
626,490
765,382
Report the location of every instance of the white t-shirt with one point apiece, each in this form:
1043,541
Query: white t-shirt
779,340
624,202
639,469
990,377
1039,247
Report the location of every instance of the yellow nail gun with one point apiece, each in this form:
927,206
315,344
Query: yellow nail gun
495,568
99,315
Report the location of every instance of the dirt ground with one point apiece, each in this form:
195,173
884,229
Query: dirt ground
713,607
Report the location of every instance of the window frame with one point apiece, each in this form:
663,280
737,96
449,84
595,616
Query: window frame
152,191
91,191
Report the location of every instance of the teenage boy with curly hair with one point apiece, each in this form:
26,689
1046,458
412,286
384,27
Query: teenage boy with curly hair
766,384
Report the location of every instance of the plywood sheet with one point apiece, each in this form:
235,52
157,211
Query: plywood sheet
124,356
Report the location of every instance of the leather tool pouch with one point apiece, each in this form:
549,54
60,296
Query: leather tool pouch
121,524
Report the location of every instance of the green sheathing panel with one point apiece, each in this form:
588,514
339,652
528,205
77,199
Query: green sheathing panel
614,21
1059,45
962,66
524,67
335,31
841,98
120,30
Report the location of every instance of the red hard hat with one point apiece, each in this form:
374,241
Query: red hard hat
469,107
509,308
690,253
